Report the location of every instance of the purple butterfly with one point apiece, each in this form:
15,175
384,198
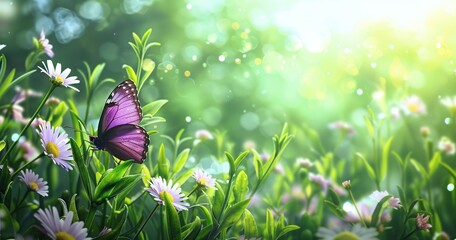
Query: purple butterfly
118,130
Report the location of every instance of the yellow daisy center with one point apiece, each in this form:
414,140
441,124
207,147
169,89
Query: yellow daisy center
346,236
51,148
33,186
64,236
162,195
414,108
202,181
57,80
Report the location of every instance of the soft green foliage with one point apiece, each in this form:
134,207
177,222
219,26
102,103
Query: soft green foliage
339,113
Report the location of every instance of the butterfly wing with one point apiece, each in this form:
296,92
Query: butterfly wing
126,142
121,107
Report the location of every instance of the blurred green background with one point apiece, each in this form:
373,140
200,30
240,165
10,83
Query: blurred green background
249,66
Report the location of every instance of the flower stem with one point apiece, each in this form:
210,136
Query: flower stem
145,221
91,215
20,203
194,190
30,122
25,165
361,219
410,234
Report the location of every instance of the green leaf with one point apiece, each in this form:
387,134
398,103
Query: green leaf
146,175
58,114
241,187
7,82
250,226
339,212
83,170
231,162
333,196
420,168
149,45
124,186
287,229
449,169
240,158
163,163
192,232
370,126
2,145
207,214
5,178
378,210
118,222
22,77
434,163
369,169
402,196
181,159
258,165
109,180
153,107
412,205
137,40
95,76
103,82
186,175
73,208
145,36
131,73
218,199
270,225
399,159
78,133
385,158
174,227
135,49
233,214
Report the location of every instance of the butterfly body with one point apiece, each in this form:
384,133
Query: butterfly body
118,129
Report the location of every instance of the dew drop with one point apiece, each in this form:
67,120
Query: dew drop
221,58
188,119
359,91
447,121
450,187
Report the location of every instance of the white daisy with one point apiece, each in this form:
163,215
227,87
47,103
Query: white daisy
447,146
58,77
56,145
57,228
392,202
356,232
413,105
203,134
34,182
203,179
158,187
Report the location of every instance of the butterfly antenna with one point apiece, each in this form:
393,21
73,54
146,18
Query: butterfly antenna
76,130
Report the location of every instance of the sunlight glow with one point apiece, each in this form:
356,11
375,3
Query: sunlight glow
314,20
